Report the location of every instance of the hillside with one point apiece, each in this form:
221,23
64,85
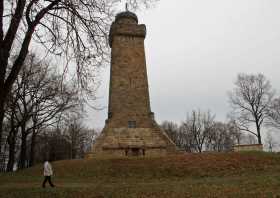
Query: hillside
190,175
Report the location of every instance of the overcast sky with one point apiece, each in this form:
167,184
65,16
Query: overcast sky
196,48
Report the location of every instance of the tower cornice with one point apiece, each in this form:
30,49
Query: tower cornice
127,14
133,30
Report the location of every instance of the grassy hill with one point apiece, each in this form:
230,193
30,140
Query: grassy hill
249,174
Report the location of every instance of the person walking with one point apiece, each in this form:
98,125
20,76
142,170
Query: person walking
48,172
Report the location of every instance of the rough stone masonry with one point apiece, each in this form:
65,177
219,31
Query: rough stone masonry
130,129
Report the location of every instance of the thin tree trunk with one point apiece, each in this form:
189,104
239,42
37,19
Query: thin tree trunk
12,144
2,113
32,149
22,158
259,134
6,45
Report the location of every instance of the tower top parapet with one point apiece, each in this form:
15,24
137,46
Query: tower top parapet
126,24
128,15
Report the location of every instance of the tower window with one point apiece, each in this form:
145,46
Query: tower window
131,124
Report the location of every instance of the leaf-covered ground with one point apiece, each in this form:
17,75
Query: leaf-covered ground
249,174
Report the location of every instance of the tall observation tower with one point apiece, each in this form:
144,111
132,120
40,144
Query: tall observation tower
130,128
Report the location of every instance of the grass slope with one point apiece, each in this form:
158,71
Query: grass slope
191,175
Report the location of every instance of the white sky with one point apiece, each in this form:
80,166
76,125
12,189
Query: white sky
196,48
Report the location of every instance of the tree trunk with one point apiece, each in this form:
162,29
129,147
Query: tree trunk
2,113
259,134
32,149
238,140
2,91
22,158
12,144
199,148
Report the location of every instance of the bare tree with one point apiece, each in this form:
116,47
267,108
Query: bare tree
64,142
171,130
73,29
36,99
4,156
135,4
200,132
199,126
270,142
235,131
13,127
274,114
249,139
76,135
180,135
186,139
250,101
89,139
220,137
51,142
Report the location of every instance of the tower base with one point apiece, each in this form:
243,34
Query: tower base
140,142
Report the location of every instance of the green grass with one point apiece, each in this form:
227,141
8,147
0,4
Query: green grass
250,174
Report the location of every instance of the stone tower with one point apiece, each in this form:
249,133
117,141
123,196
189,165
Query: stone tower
130,128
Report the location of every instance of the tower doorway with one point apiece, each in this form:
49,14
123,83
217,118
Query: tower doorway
135,152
